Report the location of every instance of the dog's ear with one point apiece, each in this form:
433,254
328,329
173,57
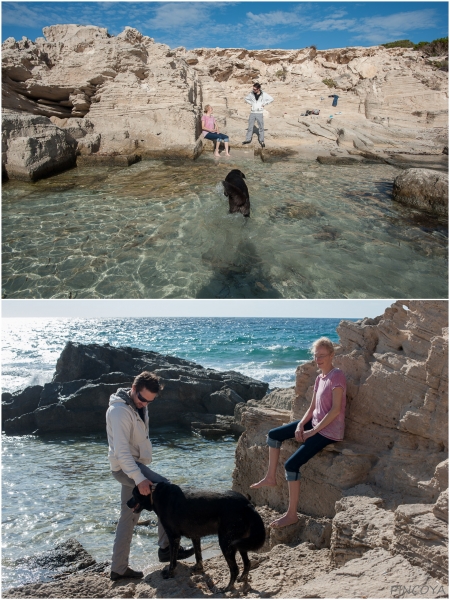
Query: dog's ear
242,174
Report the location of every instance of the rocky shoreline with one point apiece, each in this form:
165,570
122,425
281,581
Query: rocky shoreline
80,95
373,510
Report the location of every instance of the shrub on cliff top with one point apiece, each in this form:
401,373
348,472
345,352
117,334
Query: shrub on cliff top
437,47
399,44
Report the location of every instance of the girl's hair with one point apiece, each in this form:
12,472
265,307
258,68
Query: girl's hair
325,342
206,108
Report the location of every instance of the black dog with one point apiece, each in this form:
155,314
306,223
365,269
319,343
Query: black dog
235,188
196,514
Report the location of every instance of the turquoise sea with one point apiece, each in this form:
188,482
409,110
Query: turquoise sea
52,486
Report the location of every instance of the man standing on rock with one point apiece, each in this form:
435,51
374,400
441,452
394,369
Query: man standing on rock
257,100
130,450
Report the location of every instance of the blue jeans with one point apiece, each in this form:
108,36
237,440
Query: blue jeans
307,450
221,137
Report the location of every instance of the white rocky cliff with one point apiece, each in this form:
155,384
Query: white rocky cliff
127,94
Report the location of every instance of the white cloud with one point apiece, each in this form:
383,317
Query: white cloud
333,24
179,15
274,18
337,14
14,13
380,29
404,21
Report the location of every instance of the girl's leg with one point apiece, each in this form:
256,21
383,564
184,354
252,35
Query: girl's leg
215,140
307,450
226,149
274,440
270,479
290,517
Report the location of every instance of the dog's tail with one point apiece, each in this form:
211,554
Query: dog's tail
257,532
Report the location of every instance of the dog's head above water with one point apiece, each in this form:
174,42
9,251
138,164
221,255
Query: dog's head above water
139,502
234,173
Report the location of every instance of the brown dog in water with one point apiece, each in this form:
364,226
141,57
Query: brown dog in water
235,188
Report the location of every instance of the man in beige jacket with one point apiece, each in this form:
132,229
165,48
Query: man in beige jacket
130,451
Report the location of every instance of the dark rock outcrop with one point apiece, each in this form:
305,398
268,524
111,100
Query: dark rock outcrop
65,559
86,375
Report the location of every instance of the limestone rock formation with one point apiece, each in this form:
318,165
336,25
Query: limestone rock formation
282,572
33,147
396,418
377,574
422,537
419,532
127,94
86,376
360,525
422,188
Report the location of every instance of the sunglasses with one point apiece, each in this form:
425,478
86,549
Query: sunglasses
142,399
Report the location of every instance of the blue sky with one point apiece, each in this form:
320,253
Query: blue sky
251,25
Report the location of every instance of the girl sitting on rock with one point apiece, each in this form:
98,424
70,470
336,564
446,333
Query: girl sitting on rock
322,424
211,131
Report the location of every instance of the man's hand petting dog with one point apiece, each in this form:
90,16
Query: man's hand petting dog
145,487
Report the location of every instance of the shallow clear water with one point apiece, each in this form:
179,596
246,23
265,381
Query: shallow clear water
54,489
160,229
266,349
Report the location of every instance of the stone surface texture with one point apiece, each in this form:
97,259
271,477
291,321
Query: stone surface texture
360,524
127,94
422,188
86,376
377,574
282,572
32,147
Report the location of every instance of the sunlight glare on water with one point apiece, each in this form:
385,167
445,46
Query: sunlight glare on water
60,488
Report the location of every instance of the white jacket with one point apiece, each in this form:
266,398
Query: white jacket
257,105
128,437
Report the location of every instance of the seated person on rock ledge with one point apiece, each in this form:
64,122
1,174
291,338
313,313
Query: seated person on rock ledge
211,131
322,424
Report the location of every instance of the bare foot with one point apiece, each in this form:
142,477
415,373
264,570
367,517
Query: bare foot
266,482
284,521
216,155
228,154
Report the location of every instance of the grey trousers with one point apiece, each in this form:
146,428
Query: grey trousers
259,118
128,519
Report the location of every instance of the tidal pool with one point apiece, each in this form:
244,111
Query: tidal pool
161,229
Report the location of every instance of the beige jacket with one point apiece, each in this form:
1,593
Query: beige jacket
128,437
